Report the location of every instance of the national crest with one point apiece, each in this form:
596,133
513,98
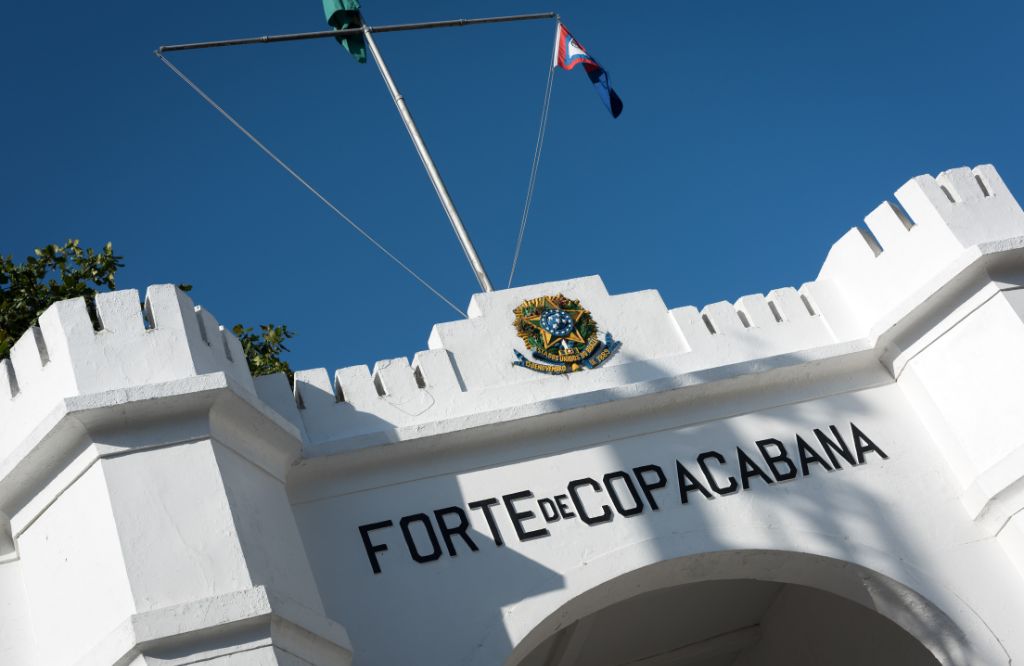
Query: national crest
561,335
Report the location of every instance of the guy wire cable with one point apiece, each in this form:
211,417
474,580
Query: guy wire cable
533,169
259,144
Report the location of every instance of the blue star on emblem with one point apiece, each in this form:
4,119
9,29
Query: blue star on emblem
557,324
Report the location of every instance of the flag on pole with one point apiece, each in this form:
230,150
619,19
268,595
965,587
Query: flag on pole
569,53
344,14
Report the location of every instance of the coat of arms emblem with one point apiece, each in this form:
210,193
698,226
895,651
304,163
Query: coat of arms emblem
561,334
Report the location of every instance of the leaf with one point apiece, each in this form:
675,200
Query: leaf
263,350
53,273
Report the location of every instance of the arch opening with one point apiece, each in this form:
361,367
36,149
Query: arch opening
745,608
741,622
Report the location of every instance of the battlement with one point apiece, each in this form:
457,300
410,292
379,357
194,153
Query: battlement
129,345
866,276
468,367
908,244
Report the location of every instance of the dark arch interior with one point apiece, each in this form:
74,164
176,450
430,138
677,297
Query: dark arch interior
732,623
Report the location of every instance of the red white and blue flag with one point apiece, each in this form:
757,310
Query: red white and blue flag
569,53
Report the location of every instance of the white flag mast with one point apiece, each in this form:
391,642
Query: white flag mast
428,164
403,109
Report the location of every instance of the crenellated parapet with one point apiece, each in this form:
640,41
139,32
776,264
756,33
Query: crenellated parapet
468,369
129,344
871,278
907,246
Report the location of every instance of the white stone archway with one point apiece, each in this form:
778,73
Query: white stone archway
752,608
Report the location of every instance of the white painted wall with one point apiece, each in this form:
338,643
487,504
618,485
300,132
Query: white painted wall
17,644
73,572
158,505
901,517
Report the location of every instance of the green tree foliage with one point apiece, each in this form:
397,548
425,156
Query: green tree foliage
56,273
263,350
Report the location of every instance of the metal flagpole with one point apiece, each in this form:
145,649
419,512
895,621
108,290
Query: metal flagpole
428,164
403,109
320,34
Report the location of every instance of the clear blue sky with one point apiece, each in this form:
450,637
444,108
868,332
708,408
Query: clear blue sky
754,134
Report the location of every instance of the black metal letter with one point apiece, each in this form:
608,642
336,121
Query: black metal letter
548,509
808,455
448,531
749,468
720,459
831,448
606,513
563,506
780,458
371,548
435,547
688,482
863,444
646,487
485,507
519,517
638,505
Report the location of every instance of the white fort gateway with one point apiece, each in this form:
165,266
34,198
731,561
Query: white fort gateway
832,475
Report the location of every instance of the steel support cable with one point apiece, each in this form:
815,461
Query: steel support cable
538,147
259,144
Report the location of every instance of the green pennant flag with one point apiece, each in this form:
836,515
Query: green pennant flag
344,14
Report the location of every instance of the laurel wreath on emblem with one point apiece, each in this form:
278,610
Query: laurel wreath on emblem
561,334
